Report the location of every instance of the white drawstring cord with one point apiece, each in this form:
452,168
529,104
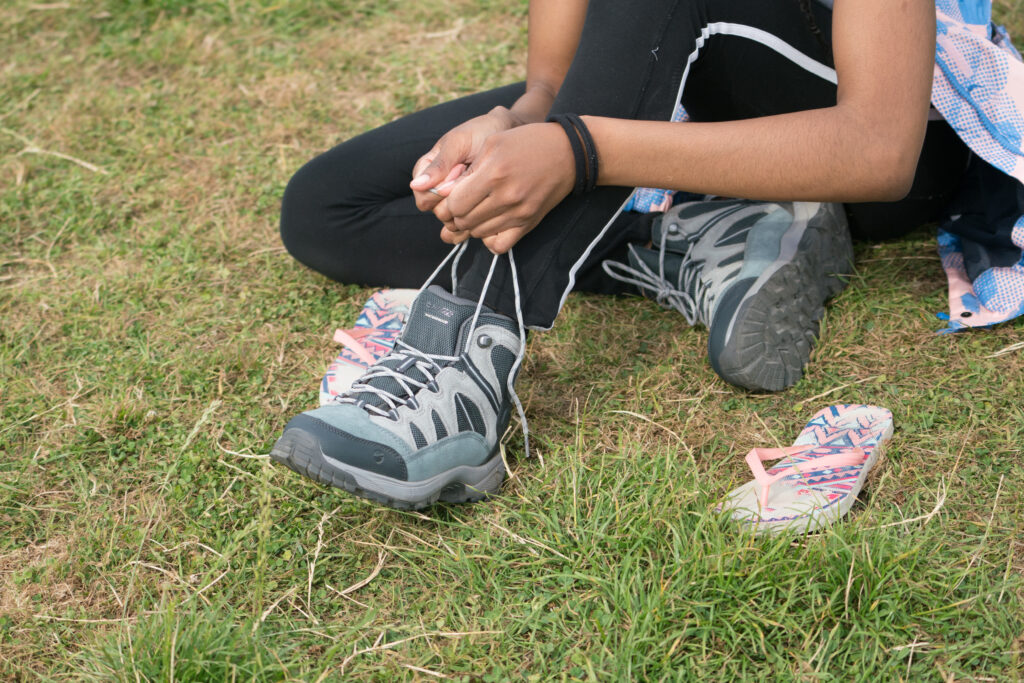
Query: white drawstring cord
510,380
457,252
483,292
460,249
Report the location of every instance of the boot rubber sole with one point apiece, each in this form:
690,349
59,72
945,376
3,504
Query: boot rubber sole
300,451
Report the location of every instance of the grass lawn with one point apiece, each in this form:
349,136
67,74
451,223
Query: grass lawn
155,338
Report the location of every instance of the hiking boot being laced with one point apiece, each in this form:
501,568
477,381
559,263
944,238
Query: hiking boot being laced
424,423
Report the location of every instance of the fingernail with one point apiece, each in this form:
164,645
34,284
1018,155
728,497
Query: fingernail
446,186
420,179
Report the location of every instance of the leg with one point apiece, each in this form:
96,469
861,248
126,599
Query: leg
349,213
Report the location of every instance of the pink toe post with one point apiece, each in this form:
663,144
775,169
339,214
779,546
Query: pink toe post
854,456
350,340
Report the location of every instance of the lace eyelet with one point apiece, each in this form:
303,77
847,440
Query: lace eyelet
483,341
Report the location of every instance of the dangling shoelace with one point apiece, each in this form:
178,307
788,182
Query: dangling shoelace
677,297
429,365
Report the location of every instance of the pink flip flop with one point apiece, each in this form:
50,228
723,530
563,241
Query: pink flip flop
374,335
818,477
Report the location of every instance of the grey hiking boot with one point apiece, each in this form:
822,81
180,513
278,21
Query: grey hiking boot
423,424
756,274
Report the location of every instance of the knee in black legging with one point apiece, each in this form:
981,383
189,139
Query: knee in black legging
300,209
316,228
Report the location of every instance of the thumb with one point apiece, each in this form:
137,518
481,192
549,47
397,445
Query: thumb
446,158
432,175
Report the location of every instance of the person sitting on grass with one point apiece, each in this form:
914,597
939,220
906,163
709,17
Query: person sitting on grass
816,115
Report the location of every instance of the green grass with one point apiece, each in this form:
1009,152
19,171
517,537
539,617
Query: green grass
153,332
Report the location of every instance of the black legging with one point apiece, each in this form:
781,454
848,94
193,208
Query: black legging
350,215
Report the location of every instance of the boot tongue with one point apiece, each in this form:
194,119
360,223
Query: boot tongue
433,327
675,264
435,320
652,258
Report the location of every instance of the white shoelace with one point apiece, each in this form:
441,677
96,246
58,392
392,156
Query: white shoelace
665,293
431,364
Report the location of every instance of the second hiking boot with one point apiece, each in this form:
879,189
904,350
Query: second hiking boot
756,274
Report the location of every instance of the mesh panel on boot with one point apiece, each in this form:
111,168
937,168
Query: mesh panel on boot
502,359
433,327
439,427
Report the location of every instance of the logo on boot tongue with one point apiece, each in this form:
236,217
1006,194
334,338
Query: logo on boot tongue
441,314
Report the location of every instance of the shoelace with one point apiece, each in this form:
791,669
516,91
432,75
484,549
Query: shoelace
429,365
694,308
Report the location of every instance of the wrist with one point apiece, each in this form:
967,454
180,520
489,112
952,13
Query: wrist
507,117
533,105
584,151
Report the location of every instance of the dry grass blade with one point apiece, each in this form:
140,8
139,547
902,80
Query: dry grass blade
250,456
203,419
185,544
1009,349
120,620
647,419
20,105
420,669
316,555
526,541
177,579
32,148
70,402
940,501
66,157
269,610
377,647
835,389
382,557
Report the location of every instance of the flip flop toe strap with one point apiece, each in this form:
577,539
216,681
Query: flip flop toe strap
853,456
350,339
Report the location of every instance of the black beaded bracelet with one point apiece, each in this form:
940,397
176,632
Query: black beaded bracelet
578,153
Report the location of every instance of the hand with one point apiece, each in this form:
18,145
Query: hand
518,176
446,160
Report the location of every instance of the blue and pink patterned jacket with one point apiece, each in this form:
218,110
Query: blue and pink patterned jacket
978,87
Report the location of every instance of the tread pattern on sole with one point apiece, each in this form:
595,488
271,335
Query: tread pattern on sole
300,452
775,332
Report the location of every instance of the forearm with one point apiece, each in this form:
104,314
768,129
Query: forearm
824,154
865,148
554,34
